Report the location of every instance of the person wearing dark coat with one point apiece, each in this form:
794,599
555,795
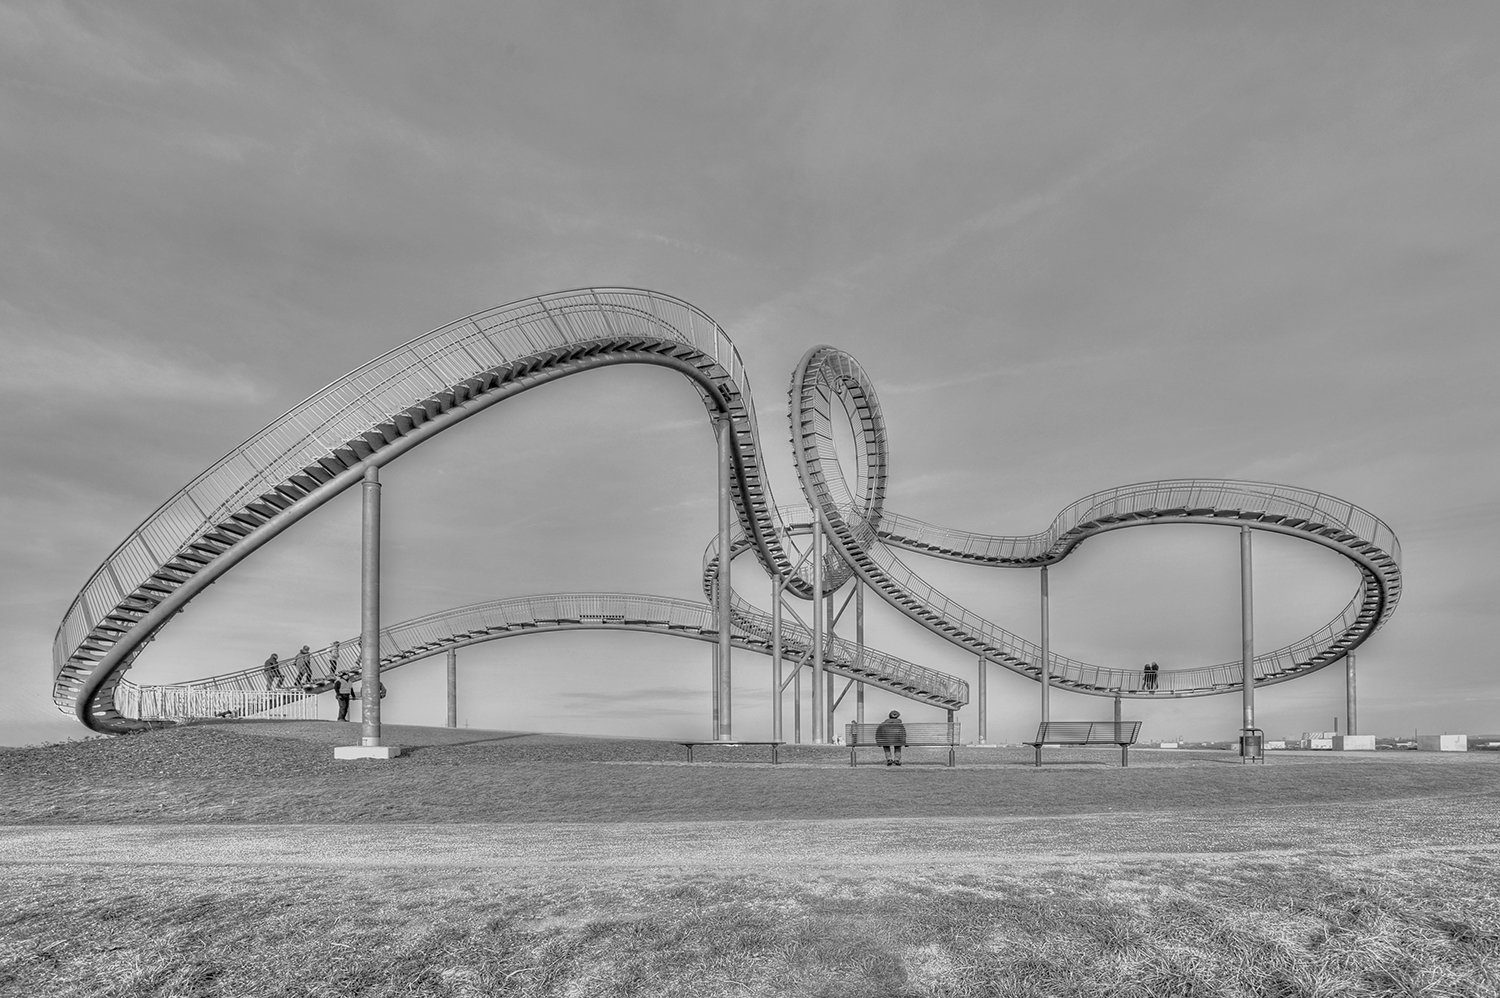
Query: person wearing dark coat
272,671
302,667
891,735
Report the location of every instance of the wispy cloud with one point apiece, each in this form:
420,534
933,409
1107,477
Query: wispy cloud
52,363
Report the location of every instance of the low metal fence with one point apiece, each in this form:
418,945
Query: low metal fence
189,702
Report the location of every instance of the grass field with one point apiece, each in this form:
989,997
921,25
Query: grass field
243,860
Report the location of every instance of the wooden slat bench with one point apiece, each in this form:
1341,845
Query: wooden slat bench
930,734
1121,733
774,746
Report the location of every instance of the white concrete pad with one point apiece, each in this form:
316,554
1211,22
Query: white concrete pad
366,751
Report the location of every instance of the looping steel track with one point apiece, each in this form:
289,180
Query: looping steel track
378,412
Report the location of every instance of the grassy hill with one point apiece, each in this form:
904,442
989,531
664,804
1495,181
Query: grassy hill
241,859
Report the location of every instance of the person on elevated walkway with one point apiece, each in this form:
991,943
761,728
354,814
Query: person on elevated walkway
302,667
890,736
272,671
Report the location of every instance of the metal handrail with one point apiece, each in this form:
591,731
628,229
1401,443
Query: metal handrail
372,415
432,634
507,339
865,532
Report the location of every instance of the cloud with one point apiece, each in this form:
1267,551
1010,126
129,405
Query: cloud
61,363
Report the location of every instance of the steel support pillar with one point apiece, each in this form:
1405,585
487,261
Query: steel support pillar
859,647
776,693
1247,637
1117,715
830,730
817,629
452,687
797,704
1046,652
1351,708
369,611
725,430
981,698
828,726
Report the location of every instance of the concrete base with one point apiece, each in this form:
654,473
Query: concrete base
366,751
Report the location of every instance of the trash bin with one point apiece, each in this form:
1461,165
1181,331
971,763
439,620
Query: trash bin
1253,745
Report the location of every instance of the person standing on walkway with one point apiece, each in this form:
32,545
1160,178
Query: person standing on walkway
343,690
891,735
333,659
302,667
272,671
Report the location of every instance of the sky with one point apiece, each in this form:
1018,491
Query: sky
1074,245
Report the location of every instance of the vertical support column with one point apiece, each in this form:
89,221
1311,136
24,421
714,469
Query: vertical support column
717,695
1046,652
797,703
725,428
817,628
1117,716
1351,709
1247,637
452,687
369,611
859,647
828,697
982,697
776,699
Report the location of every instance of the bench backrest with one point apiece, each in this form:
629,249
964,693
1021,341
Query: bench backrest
1089,732
917,733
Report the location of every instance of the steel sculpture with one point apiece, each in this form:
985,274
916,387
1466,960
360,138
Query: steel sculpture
445,632
375,414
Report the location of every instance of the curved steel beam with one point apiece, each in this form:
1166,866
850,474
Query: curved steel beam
408,395
434,634
864,535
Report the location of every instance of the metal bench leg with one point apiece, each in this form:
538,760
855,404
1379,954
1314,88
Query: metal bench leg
851,756
1039,756
773,755
1125,756
690,753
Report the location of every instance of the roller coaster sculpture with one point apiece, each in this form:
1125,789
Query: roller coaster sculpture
378,412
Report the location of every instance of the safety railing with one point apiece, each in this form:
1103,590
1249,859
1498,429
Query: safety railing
198,701
1280,501
375,393
248,691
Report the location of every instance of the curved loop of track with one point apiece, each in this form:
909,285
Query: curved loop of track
374,414
865,536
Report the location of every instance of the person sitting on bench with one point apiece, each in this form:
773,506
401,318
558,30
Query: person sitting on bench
891,735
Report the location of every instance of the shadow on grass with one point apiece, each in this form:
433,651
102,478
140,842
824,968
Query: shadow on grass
449,743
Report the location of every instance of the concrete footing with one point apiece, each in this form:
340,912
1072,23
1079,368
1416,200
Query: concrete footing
366,751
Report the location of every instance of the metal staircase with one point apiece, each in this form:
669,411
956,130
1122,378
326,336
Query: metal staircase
434,634
376,413
866,535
